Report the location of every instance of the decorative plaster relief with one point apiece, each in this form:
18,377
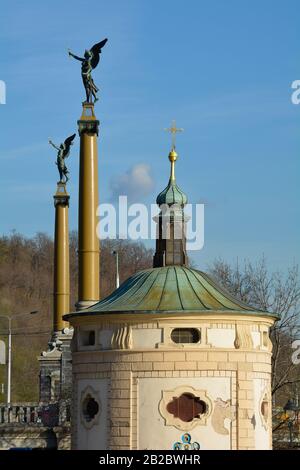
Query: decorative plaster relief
243,338
122,338
222,410
176,414
266,341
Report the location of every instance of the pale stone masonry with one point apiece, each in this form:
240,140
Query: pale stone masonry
132,420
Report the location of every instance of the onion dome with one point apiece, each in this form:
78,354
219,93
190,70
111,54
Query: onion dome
172,194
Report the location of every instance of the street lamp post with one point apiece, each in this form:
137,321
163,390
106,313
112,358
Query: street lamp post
116,254
293,409
9,362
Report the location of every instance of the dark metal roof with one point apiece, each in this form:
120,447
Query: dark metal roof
172,289
172,194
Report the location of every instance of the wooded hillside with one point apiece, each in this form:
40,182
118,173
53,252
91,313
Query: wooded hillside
26,284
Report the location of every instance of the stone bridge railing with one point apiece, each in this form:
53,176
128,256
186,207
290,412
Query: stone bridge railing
20,413
43,414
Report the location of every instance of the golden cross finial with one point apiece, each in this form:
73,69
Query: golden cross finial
173,130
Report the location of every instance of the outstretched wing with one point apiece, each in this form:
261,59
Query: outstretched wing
67,144
96,49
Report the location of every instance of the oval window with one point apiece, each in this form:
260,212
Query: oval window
185,335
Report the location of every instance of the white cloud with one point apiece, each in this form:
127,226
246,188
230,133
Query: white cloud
136,183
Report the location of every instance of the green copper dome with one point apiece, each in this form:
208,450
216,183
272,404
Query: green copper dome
172,289
172,195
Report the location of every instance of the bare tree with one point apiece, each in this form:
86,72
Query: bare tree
273,292
26,280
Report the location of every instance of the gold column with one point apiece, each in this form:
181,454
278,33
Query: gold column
61,258
88,243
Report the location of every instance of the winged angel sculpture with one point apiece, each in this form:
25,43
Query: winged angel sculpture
63,153
88,63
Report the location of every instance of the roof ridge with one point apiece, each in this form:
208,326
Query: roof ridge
162,291
205,288
189,269
149,288
178,289
225,292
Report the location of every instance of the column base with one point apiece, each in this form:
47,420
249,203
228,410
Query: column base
84,304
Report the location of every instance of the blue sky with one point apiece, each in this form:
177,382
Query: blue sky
223,70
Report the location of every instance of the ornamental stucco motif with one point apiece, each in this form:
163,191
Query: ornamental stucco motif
122,338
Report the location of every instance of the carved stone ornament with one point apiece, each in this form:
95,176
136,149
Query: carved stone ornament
122,338
185,407
54,346
243,338
266,341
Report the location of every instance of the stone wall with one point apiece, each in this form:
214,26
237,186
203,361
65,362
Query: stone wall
23,425
235,378
34,437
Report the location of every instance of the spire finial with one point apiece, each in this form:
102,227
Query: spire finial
173,155
173,130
